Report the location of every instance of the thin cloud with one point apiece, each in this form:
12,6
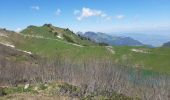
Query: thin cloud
58,12
87,12
35,8
120,16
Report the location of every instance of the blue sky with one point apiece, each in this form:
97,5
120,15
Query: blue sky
111,16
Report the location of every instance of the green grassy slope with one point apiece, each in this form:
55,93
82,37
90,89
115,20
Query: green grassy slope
55,47
52,48
50,31
154,59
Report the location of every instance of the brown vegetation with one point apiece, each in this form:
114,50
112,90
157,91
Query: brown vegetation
93,76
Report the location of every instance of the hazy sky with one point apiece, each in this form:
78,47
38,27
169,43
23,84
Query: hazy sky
150,16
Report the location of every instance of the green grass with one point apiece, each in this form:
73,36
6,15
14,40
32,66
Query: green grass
19,89
157,60
49,32
52,48
57,47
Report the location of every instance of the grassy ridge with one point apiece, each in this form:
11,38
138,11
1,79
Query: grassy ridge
52,32
157,59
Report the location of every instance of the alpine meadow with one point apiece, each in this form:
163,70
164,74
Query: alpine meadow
85,50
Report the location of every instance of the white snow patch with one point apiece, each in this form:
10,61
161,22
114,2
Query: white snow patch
12,46
8,44
140,50
76,44
59,37
26,86
25,51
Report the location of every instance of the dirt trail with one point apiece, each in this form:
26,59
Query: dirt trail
41,37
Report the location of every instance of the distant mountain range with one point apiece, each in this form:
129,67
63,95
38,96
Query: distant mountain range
155,40
166,44
111,40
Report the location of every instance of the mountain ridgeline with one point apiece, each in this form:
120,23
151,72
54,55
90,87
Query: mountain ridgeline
112,40
51,32
166,44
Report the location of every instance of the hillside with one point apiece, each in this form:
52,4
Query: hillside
37,56
166,44
52,46
19,67
155,40
52,32
49,47
112,40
